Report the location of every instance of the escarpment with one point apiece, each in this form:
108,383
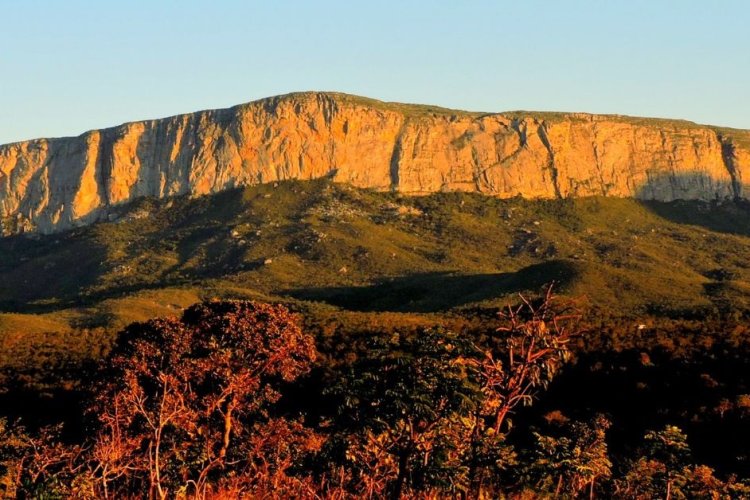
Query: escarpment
54,184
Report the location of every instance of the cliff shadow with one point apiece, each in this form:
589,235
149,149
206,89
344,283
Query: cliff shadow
46,272
439,291
724,208
147,244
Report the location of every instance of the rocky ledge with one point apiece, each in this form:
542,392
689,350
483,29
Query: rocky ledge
48,185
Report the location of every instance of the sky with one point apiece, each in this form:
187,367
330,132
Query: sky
68,66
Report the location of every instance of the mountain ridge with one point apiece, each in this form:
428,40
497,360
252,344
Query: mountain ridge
47,185
435,108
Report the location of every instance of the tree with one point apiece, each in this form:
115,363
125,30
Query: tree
428,410
670,447
661,469
403,408
14,446
35,465
536,345
742,404
576,459
186,407
665,471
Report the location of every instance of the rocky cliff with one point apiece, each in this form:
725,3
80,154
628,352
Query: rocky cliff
54,184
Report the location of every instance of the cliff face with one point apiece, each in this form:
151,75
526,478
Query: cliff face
53,184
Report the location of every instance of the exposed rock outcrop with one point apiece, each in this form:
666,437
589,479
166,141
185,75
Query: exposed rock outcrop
53,184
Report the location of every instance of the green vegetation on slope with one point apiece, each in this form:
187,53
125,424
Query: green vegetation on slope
326,248
317,239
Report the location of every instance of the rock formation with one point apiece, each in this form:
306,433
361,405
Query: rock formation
54,184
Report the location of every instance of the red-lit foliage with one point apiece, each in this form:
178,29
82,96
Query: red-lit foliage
186,406
210,406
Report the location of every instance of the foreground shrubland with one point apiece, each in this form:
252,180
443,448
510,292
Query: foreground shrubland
231,401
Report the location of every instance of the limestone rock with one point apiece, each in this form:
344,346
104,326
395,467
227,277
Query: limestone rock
55,184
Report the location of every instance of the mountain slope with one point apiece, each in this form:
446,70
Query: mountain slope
322,245
53,184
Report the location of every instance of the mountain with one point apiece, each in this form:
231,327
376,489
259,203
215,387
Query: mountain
48,185
383,219
333,249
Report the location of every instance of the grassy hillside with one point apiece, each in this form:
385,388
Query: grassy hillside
326,248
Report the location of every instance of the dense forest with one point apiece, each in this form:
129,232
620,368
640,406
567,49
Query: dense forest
247,399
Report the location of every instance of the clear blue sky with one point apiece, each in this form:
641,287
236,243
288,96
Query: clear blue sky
68,66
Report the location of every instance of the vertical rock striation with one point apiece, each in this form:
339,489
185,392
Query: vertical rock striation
54,184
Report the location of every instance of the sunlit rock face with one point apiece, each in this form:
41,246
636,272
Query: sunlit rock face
54,184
